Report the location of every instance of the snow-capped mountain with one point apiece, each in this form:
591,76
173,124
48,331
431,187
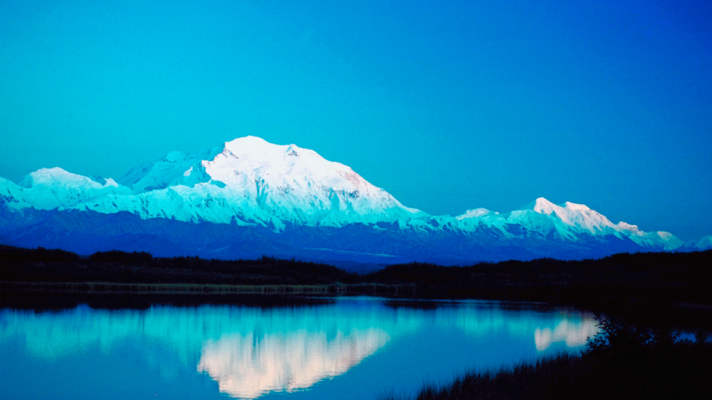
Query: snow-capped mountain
699,245
567,222
53,188
250,197
250,181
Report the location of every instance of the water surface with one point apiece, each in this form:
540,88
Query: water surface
349,348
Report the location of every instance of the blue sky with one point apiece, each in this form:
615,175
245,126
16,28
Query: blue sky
447,106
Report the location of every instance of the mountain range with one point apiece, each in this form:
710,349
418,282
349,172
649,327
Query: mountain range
250,198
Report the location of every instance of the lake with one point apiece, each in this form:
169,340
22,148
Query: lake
345,348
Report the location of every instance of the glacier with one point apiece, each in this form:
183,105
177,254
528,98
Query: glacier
249,198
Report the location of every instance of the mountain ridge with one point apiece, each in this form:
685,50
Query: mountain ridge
253,184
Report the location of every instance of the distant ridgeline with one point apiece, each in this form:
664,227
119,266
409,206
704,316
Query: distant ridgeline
250,198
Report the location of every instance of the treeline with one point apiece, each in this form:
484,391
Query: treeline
122,257
10,254
42,265
681,277
642,277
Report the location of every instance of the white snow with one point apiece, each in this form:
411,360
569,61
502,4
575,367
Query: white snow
705,243
567,221
478,212
250,181
50,188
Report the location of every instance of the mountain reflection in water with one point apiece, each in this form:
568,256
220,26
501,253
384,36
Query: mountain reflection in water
573,334
247,366
252,352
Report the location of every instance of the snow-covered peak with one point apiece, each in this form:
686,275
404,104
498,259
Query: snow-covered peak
575,215
240,158
705,243
543,206
58,176
284,166
256,147
660,239
567,221
628,227
249,180
50,188
578,207
476,213
251,152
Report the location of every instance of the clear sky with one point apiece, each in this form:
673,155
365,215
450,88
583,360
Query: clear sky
449,105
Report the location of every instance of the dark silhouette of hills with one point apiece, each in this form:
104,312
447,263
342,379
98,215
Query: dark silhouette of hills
42,265
645,277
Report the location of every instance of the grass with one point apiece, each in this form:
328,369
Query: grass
621,363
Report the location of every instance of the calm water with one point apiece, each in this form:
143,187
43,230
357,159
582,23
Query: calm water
351,348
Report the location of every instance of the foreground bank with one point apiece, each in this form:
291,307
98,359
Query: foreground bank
622,362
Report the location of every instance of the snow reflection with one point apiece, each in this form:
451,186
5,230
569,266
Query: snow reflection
572,333
247,366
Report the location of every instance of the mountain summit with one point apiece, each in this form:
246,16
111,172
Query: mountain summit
285,200
250,181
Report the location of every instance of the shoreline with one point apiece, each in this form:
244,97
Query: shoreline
656,288
336,289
